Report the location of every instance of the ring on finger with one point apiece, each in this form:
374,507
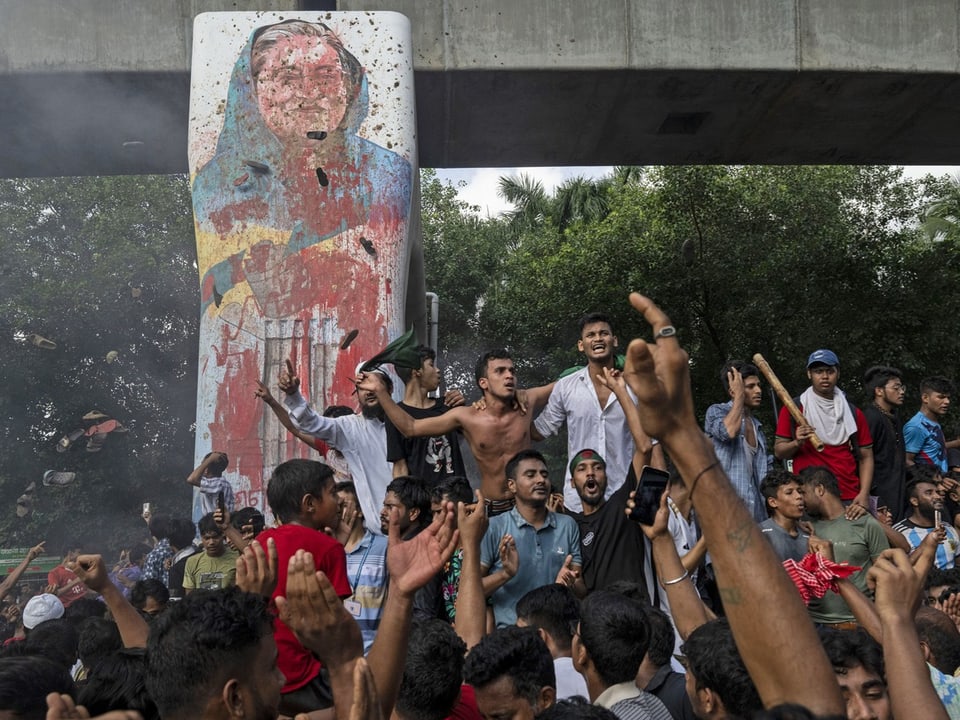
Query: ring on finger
665,332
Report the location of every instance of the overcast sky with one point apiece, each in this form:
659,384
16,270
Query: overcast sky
481,188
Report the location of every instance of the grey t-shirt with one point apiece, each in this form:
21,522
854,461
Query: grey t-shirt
784,544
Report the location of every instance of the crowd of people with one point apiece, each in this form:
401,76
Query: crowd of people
810,578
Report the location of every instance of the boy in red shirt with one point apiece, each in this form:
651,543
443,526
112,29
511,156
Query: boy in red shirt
301,495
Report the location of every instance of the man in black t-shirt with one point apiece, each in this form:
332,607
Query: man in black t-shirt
430,458
611,545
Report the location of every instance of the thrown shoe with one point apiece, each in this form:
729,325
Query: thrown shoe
53,477
67,441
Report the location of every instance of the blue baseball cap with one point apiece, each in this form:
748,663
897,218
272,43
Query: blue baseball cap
823,357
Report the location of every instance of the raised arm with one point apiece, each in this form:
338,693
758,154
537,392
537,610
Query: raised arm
767,617
263,392
897,586
133,628
471,604
407,424
411,565
614,381
13,578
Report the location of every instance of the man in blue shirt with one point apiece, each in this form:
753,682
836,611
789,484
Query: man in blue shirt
737,438
530,546
923,437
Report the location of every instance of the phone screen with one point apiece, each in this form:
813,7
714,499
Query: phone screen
650,487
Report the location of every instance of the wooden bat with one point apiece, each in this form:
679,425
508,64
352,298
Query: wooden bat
764,367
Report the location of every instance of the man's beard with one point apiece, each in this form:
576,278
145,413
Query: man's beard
372,412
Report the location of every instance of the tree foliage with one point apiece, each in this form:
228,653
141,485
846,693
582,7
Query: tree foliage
778,260
96,265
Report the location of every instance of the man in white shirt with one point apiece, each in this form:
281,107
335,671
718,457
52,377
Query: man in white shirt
362,439
591,411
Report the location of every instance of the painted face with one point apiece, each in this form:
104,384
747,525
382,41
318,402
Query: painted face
429,376
790,502
752,391
894,392
500,380
532,483
499,700
213,544
597,341
301,87
823,378
937,403
865,695
589,479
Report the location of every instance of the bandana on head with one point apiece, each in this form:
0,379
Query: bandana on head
586,455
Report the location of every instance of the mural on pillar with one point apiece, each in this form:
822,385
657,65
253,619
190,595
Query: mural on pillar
302,151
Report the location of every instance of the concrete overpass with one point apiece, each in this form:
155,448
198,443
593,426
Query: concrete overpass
102,86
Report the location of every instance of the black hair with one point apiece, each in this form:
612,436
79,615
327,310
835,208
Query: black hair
615,632
413,493
878,376
744,368
513,463
335,411
201,641
70,546
217,467
792,711
432,673
820,475
920,473
576,708
207,524
138,552
938,631
938,577
56,640
25,682
83,608
848,649
159,526
182,532
594,317
291,481
98,638
937,384
456,488
662,636
517,653
248,516
552,608
773,481
143,589
424,352
118,682
715,662
480,371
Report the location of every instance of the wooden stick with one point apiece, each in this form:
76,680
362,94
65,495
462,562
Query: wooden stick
764,367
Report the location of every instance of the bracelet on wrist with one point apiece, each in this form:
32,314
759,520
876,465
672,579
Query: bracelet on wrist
676,580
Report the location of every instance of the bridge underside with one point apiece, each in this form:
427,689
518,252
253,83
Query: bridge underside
136,122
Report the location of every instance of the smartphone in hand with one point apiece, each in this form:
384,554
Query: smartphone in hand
646,499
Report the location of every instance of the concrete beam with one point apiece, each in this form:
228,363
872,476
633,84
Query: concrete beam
540,82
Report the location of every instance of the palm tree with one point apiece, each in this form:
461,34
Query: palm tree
941,218
532,206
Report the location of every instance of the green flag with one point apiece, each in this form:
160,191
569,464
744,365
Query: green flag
402,352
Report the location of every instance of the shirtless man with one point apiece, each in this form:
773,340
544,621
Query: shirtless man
495,434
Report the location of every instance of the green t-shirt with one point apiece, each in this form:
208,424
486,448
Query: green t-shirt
210,573
855,542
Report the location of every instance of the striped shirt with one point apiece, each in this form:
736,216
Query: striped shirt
367,573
